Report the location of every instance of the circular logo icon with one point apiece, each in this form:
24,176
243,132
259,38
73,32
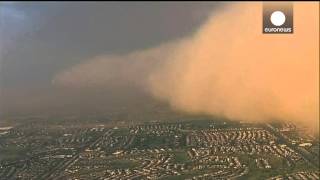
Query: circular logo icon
277,18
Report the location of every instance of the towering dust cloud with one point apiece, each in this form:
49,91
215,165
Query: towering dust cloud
228,68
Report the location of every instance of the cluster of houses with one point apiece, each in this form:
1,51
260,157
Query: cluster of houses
89,153
304,175
156,129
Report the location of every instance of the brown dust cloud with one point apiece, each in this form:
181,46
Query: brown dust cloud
228,67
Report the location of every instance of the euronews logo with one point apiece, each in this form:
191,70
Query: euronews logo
277,18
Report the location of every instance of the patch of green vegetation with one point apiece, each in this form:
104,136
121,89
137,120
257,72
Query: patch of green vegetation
152,141
181,156
123,164
12,153
120,132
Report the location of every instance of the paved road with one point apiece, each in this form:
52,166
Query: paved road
67,163
303,153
